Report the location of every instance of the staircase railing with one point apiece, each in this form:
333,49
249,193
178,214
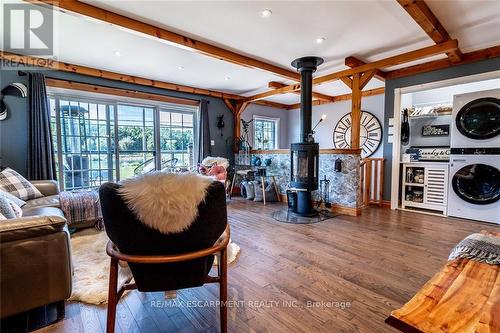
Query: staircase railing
371,181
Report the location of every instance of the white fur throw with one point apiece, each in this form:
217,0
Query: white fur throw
209,160
166,202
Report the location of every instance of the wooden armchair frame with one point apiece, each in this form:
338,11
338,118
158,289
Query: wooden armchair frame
219,248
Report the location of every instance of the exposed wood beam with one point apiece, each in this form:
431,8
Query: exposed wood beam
387,62
483,54
231,105
239,108
344,97
272,104
367,76
315,95
347,81
356,110
399,59
176,39
426,19
65,84
355,62
94,72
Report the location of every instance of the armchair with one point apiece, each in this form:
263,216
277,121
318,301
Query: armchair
166,262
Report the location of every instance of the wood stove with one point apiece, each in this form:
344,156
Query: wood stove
305,154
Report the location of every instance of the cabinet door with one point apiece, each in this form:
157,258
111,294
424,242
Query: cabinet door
436,189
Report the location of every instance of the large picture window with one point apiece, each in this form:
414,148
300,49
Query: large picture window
106,140
265,133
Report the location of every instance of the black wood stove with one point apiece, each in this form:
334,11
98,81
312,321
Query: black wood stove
305,154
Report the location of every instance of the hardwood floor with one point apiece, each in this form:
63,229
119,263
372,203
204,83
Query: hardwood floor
361,268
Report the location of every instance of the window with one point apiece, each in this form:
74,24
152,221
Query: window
105,140
265,133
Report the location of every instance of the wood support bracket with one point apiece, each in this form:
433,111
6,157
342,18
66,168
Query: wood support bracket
347,81
367,76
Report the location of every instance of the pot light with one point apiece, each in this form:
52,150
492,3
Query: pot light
118,54
320,40
266,13
180,68
227,78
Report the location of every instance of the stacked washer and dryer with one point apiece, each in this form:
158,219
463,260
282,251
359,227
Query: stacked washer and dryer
474,184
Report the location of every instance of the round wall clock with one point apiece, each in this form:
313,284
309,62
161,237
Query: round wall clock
370,136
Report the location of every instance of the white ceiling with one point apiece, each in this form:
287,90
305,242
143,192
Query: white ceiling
370,30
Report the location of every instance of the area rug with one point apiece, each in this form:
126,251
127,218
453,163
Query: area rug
91,266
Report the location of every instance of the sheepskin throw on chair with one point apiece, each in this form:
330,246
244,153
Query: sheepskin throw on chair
166,202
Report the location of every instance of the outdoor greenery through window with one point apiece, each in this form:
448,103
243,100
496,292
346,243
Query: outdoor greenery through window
99,141
265,133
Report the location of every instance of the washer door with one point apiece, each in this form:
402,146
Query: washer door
477,183
480,118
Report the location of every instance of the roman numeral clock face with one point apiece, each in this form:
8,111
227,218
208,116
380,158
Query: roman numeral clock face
370,136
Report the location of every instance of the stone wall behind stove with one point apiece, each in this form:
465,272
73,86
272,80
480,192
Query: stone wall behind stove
344,185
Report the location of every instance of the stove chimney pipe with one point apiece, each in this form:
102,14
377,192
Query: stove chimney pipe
306,66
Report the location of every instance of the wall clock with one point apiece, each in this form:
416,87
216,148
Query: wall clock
370,136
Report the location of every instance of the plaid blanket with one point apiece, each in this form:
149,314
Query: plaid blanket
482,247
82,207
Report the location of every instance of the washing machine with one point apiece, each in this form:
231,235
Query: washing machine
476,120
474,186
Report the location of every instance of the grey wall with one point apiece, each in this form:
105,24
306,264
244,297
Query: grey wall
443,74
14,130
416,138
333,112
266,111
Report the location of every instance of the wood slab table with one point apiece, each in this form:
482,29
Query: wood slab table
463,297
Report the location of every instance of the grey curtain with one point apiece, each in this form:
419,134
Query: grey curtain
41,163
204,148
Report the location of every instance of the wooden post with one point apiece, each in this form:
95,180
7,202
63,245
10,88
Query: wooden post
356,111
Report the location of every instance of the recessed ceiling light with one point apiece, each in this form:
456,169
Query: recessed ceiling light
180,68
266,13
118,54
227,78
320,40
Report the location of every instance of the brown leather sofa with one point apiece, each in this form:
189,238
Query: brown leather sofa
35,258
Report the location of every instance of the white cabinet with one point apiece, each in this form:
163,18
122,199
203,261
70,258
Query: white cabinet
425,186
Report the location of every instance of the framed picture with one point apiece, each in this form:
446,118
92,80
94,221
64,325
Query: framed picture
436,130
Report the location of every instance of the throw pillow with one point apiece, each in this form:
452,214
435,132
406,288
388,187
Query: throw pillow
271,195
258,191
243,192
250,189
13,198
15,184
6,209
15,207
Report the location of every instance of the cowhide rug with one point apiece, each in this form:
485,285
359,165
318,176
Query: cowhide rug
91,266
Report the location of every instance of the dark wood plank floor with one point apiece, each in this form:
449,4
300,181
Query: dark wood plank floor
342,275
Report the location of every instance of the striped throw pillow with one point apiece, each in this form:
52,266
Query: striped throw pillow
15,184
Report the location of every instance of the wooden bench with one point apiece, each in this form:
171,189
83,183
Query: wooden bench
463,297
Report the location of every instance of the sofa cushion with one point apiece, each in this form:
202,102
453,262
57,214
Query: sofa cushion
6,208
17,185
48,201
43,211
11,197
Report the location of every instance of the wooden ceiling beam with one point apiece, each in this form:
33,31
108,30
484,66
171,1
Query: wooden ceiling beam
344,97
483,54
67,84
426,19
347,81
386,62
94,72
352,62
272,104
315,95
173,38
367,76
